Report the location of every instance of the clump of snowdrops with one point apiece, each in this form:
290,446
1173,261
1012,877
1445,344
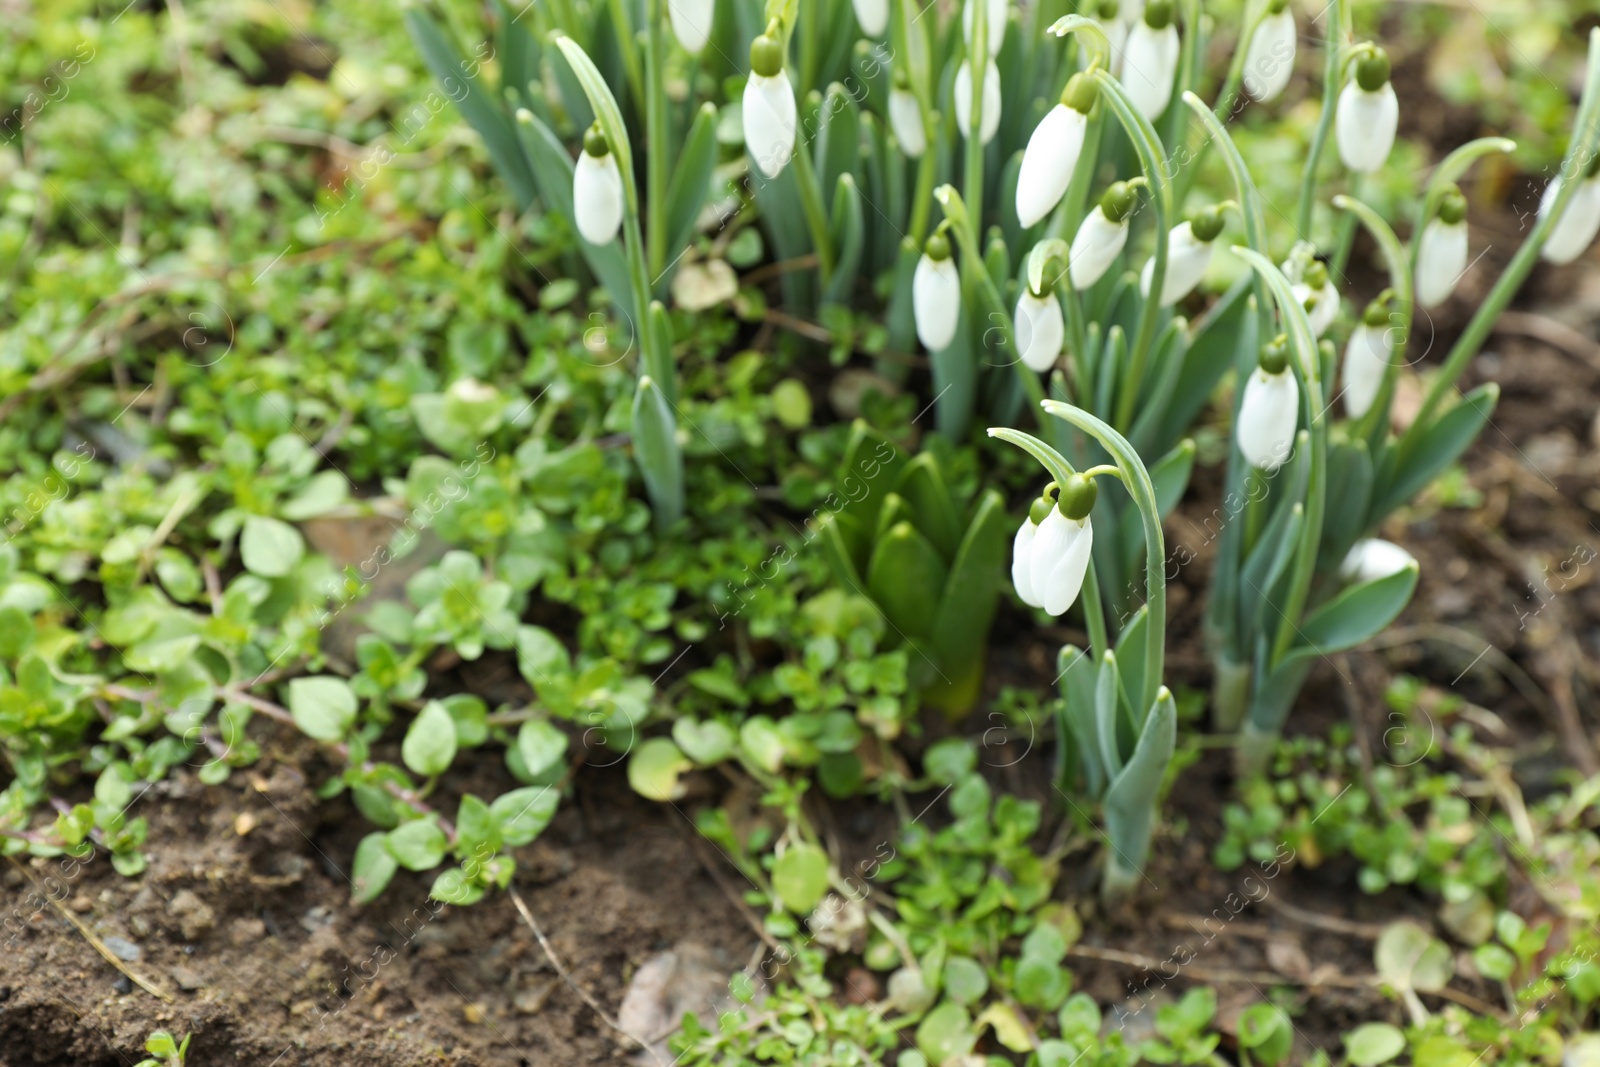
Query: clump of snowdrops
1064,270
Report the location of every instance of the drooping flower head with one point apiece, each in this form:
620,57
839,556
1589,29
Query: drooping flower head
1367,356
872,16
994,30
1372,560
1150,59
936,294
1579,223
1050,554
1368,114
905,117
597,194
1053,150
1102,234
1188,255
1038,329
1318,295
1442,250
769,107
1269,60
691,22
962,92
1270,409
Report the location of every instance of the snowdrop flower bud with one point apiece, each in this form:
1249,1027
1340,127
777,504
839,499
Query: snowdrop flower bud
691,22
1319,296
872,16
936,294
1269,60
1366,358
1053,150
1442,251
995,31
1270,409
769,109
1150,59
1038,330
1108,14
1368,115
905,119
1131,11
1579,223
597,190
1058,556
1022,552
991,100
1372,559
1101,235
1188,256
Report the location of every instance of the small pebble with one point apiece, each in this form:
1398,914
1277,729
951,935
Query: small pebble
188,979
123,984
81,904
122,948
473,1013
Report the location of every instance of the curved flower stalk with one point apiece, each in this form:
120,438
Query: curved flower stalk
1150,59
597,194
1039,329
991,101
936,294
769,112
1270,410
1442,251
691,22
1369,114
1189,247
1103,234
1269,60
1117,727
1052,154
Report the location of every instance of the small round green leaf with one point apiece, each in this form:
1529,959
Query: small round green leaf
430,743
1371,1044
800,877
270,547
654,767
323,706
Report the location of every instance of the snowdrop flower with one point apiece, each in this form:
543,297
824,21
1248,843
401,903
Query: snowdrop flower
1108,16
1038,329
1150,59
991,100
1269,60
1319,296
597,190
1053,150
1372,559
1579,223
1368,114
1270,410
936,294
994,30
1442,251
1102,235
1131,11
1188,256
905,119
1049,562
872,16
691,22
1366,358
769,110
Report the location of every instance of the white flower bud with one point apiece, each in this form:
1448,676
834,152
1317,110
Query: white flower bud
1268,416
936,297
1096,246
991,101
1150,65
994,31
1039,330
872,16
691,22
1269,60
1441,260
1059,560
1187,260
1372,560
1022,563
905,119
1576,229
1366,358
1048,163
1368,115
597,197
769,121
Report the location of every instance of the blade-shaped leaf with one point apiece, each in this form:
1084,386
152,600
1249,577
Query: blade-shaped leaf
1130,804
923,486
691,179
966,608
1078,676
655,450
1438,447
906,577
1359,612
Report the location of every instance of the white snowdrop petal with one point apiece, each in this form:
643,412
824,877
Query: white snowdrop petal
905,118
1022,563
1060,587
691,22
769,121
1095,246
1373,559
1325,311
597,197
872,16
1048,162
995,30
1441,259
1039,330
1268,416
936,302
1366,357
991,101
1187,260
1365,125
1269,60
1149,65
1576,229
